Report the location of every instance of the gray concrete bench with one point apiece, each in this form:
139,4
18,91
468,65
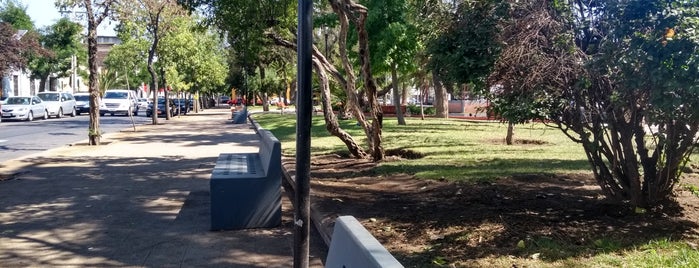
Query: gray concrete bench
246,187
353,246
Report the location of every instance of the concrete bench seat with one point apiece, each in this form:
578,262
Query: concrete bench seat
246,187
353,246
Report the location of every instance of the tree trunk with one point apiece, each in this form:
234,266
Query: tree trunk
151,69
166,93
397,96
440,98
404,93
331,123
42,83
510,133
349,83
358,14
263,92
94,132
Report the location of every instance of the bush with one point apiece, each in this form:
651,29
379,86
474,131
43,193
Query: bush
415,110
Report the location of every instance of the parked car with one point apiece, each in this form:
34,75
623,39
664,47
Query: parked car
183,105
82,103
224,99
58,103
24,108
143,103
119,101
161,108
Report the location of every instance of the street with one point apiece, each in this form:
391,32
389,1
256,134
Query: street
20,138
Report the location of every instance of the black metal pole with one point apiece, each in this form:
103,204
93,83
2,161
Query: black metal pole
304,108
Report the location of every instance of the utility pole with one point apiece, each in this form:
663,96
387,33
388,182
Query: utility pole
304,109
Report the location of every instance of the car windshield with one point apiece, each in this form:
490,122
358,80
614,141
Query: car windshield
49,96
116,95
82,98
24,101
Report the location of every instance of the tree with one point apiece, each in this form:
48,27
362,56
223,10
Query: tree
157,16
253,24
193,57
96,11
349,11
11,50
20,41
609,74
126,58
394,43
63,40
464,52
15,13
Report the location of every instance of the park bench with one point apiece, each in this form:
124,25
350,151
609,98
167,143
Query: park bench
353,246
246,187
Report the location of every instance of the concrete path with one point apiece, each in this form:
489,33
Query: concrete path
141,200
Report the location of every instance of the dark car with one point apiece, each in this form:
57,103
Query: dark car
82,103
161,108
183,105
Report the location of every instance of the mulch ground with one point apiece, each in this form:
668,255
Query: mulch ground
427,223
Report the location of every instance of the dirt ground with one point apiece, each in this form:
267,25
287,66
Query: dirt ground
430,223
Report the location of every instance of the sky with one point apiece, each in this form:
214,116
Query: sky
44,13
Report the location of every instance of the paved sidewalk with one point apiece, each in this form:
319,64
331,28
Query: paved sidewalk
141,200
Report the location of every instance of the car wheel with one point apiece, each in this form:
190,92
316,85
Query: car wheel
46,114
112,114
30,116
73,113
101,114
135,113
78,113
60,113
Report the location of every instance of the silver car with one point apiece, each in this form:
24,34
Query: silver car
24,108
58,103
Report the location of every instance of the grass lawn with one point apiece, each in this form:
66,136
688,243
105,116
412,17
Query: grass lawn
452,149
474,151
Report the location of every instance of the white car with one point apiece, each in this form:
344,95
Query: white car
24,108
119,101
58,103
143,103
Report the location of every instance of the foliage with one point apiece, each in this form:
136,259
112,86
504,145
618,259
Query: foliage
466,51
63,39
127,58
392,35
415,110
14,13
17,48
11,50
